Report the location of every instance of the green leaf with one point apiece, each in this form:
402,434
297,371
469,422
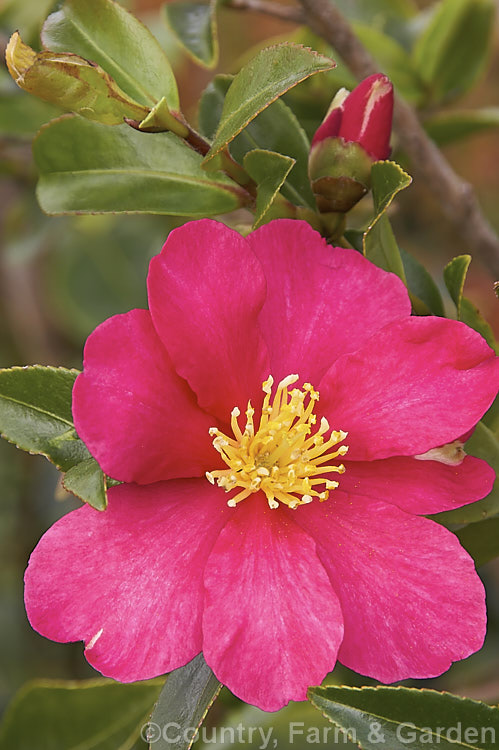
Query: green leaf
355,238
104,32
87,481
447,127
471,315
453,49
90,715
275,129
481,540
268,75
70,82
380,246
87,167
194,25
482,444
393,60
491,418
402,718
420,283
35,413
268,170
185,699
387,179
211,104
455,276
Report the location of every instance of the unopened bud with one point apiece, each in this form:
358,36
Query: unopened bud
354,133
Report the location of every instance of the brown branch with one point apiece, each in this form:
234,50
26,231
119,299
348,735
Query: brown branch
454,195
269,8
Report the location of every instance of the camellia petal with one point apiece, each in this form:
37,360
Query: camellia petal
411,599
417,384
129,581
308,321
206,289
419,487
133,411
272,623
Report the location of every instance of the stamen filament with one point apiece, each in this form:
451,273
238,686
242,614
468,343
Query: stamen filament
282,457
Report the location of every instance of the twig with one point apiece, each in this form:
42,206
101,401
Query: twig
270,8
454,195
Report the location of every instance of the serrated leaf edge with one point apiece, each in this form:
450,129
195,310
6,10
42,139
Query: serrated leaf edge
212,154
396,688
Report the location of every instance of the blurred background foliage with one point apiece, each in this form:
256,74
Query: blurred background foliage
61,276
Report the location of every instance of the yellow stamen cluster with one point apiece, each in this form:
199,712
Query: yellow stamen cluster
282,458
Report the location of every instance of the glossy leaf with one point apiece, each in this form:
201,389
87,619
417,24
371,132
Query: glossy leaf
273,71
104,32
35,413
268,170
185,699
90,715
387,179
400,718
380,246
481,540
421,284
87,481
455,277
471,315
194,26
211,104
447,127
88,167
275,129
355,238
70,82
491,418
482,444
453,49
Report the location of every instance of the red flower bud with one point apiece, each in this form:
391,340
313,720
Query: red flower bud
363,117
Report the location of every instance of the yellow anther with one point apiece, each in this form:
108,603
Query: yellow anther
267,385
281,456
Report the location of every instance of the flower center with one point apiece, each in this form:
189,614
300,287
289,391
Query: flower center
282,457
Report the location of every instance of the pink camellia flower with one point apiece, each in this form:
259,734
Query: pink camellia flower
364,116
243,527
